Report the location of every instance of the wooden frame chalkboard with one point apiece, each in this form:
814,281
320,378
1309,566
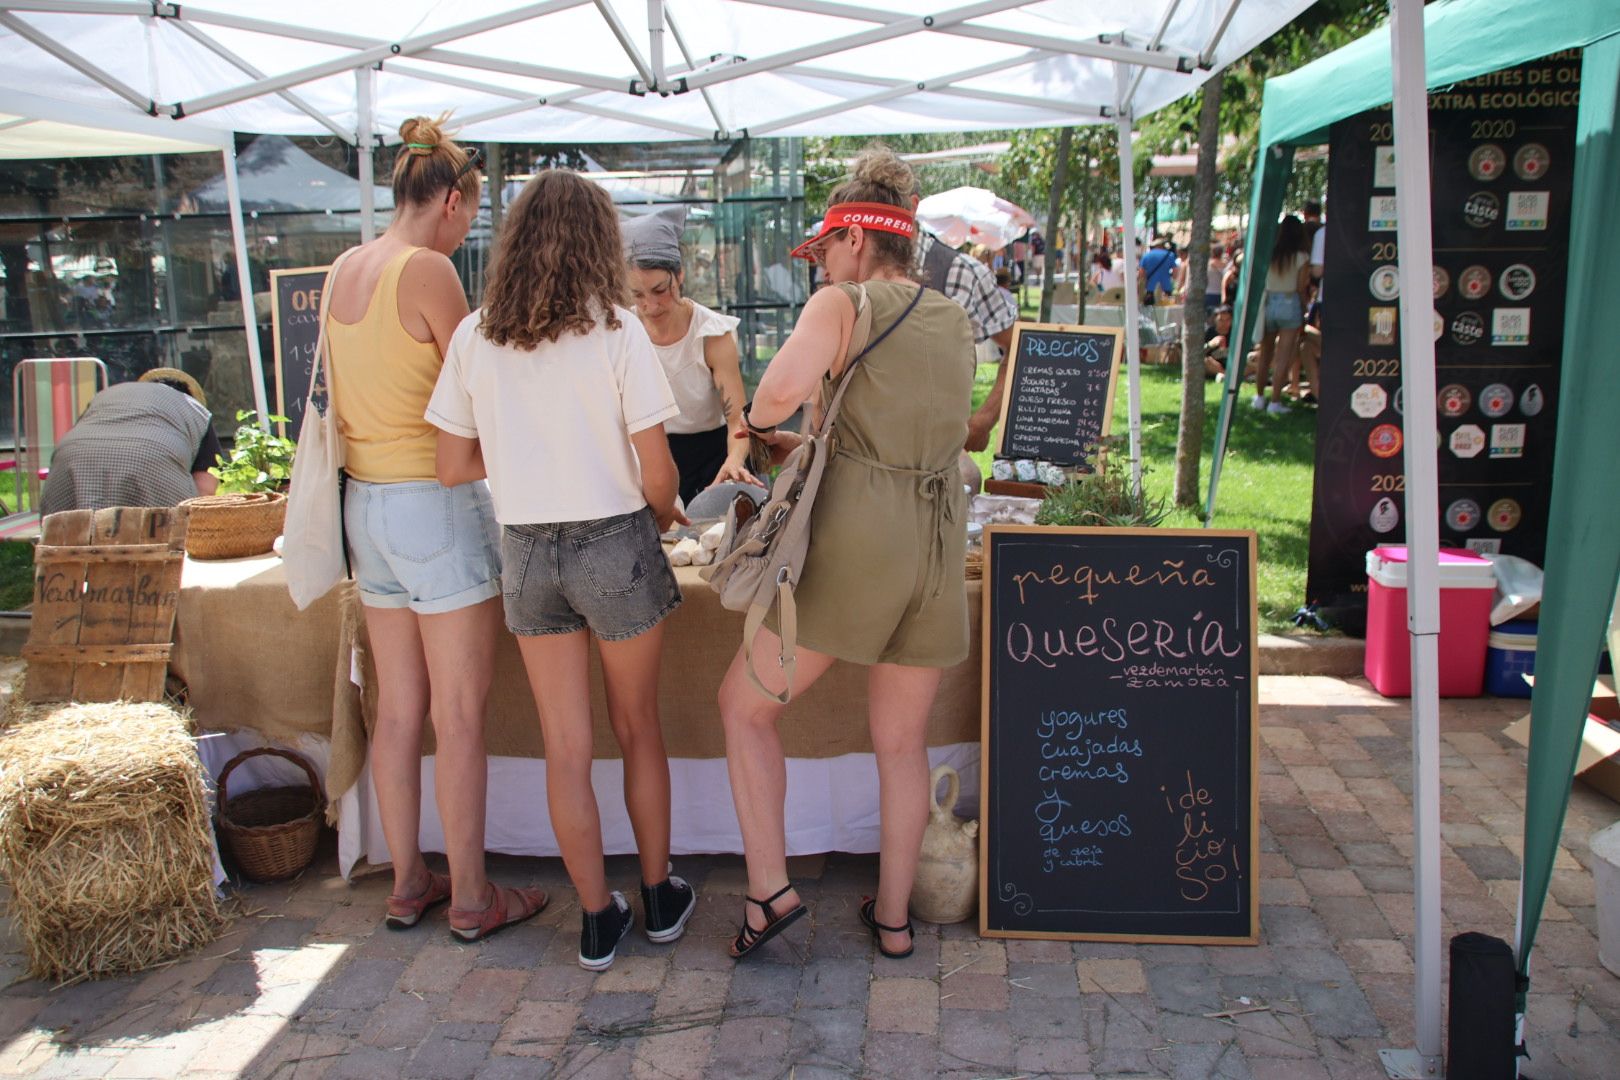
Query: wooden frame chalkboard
1119,776
295,311
1069,385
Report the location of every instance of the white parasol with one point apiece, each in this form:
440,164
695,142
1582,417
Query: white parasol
970,215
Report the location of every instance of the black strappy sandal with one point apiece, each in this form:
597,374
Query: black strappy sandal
869,917
748,939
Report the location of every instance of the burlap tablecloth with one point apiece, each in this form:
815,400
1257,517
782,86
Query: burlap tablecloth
252,661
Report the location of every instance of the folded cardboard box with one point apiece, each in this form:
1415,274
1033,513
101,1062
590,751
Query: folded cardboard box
1598,763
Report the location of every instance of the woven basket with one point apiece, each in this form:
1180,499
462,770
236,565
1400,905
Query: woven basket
272,831
234,526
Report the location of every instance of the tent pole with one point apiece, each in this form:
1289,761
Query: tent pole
1133,294
1415,240
244,277
365,142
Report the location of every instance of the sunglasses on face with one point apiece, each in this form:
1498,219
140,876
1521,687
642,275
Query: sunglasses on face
475,160
818,250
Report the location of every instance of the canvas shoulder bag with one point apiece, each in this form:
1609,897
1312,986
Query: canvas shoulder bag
312,549
761,554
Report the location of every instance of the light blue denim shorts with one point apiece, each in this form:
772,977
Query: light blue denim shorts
421,545
1283,312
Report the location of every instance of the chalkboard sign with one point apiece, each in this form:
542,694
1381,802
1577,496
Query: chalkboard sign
1119,791
1059,398
295,313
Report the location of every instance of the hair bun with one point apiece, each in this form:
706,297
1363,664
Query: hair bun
881,167
421,135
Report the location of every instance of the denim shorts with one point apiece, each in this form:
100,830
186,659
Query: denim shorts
421,545
610,575
1283,312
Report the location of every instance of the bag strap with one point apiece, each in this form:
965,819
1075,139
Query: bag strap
843,380
788,625
322,363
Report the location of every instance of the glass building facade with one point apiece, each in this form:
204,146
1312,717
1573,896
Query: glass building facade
130,259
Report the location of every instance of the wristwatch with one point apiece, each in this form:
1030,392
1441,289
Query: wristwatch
749,423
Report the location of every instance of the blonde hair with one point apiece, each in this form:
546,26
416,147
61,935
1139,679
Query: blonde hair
429,162
560,266
879,176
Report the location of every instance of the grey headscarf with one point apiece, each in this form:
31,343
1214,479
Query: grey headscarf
655,238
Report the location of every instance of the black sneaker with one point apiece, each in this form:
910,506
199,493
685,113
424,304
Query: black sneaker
601,931
667,906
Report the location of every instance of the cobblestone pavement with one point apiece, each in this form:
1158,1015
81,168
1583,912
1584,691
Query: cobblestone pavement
306,985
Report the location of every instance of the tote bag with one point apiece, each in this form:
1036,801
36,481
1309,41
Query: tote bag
312,540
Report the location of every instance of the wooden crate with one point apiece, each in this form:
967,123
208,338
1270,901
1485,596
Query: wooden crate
106,583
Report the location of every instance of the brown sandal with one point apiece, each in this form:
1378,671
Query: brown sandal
748,939
405,912
507,907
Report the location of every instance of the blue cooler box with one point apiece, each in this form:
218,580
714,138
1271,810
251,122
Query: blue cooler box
1510,655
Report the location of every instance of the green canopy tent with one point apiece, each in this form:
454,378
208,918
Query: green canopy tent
1464,39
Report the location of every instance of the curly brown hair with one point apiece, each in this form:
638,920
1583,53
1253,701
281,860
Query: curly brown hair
559,266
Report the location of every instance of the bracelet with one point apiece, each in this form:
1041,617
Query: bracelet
747,422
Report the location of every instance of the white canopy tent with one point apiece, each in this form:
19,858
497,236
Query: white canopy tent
577,71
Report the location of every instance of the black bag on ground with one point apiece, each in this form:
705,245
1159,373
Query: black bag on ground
1480,1025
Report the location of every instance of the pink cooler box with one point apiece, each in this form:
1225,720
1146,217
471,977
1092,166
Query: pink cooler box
1467,584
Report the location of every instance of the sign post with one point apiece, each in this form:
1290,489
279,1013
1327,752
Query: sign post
295,314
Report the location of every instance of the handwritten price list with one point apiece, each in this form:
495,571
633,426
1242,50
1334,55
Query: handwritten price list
1060,389
1119,791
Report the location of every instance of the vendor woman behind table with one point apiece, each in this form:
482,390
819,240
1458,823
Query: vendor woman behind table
698,350
883,581
424,556
552,372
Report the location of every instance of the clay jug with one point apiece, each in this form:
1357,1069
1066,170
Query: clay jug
947,885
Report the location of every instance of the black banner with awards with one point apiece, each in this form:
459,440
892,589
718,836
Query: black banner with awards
1501,165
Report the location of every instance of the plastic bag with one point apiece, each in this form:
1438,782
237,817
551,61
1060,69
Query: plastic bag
1518,586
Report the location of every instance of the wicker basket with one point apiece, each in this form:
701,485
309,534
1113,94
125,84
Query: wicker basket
272,831
234,526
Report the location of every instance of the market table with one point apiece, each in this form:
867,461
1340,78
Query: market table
258,668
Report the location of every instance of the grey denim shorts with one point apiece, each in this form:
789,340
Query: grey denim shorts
610,575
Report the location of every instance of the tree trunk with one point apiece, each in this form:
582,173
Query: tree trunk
1054,206
1190,436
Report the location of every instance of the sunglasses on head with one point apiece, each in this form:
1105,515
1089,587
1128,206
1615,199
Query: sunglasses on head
475,160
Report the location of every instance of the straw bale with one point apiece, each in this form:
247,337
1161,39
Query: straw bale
104,837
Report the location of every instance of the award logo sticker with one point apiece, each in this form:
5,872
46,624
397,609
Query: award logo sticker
1468,328
1496,400
1385,516
1531,161
1504,515
1381,326
1486,162
1510,326
1485,547
1474,284
1507,440
1385,440
1381,213
1482,209
1527,211
1385,282
1368,400
1442,281
1462,515
1439,326
1468,441
1531,401
1517,282
1454,399
1384,166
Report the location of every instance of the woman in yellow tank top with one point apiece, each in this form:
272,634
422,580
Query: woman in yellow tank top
426,557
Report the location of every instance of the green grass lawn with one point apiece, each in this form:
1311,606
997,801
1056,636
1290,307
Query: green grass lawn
1265,483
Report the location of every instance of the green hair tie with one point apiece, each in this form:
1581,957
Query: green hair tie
421,146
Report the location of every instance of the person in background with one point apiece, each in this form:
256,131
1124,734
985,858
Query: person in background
1217,341
1213,275
424,554
698,351
554,390
1107,272
1288,276
1157,272
144,443
893,492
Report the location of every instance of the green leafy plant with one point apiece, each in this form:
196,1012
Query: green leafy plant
259,460
1102,497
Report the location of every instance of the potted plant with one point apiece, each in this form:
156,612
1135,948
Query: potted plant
246,515
1103,497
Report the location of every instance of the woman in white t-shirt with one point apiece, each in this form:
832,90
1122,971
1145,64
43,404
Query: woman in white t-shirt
1288,280
698,350
553,390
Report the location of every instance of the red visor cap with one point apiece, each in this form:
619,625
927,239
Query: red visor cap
879,216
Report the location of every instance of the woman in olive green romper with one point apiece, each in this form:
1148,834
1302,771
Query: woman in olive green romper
883,582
